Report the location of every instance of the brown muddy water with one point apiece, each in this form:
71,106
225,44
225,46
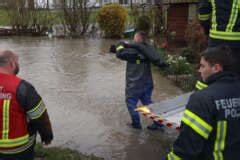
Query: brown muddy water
83,87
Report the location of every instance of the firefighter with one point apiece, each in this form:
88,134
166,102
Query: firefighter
139,82
22,112
221,22
210,124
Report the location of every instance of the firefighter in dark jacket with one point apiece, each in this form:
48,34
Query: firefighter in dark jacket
221,21
210,124
22,114
139,82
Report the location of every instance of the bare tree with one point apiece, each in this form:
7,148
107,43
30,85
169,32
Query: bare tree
158,23
76,15
27,16
3,3
31,4
55,3
18,13
40,19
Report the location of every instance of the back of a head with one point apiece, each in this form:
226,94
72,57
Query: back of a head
140,36
6,56
219,55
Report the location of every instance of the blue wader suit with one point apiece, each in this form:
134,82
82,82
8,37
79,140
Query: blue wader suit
139,82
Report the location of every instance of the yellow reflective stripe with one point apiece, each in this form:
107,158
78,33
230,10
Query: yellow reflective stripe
119,48
5,125
217,155
200,85
172,156
5,141
233,16
14,142
31,141
214,21
138,61
196,123
220,140
37,111
35,108
224,35
203,17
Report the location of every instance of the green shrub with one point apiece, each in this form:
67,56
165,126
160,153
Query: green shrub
178,65
112,20
143,23
196,42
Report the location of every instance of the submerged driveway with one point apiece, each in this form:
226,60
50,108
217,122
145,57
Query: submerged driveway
83,87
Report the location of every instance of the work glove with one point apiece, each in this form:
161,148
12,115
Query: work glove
120,46
112,48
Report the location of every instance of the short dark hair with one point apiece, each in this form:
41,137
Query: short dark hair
219,55
143,35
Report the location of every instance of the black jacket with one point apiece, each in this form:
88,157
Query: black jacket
210,124
139,57
29,98
221,19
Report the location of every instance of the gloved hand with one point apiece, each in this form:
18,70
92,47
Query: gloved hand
123,43
120,45
112,48
47,139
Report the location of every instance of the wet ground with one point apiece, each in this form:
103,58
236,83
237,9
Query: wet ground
83,87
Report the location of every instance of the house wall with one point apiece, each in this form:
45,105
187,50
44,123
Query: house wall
192,12
177,18
177,21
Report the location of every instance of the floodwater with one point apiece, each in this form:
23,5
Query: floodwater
83,87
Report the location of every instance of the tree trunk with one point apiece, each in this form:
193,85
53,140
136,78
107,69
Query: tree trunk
31,4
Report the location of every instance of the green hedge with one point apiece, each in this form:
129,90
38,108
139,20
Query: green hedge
112,19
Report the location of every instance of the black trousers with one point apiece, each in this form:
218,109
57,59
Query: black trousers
25,155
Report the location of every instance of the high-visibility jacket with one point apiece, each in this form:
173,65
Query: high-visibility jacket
222,19
14,129
200,85
210,124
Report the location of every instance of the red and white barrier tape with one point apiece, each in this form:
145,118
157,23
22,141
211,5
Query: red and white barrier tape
146,112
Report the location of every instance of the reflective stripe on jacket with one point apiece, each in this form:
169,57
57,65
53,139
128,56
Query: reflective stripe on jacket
200,85
210,124
14,135
223,16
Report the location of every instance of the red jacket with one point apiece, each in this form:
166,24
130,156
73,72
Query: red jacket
13,120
